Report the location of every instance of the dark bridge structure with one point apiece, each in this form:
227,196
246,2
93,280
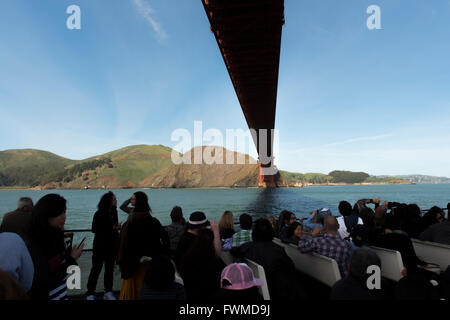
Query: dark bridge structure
248,33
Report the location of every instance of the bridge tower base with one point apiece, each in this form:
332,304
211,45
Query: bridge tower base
267,181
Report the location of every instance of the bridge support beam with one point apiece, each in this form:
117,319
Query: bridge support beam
248,33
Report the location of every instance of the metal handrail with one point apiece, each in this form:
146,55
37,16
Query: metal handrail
443,209
79,230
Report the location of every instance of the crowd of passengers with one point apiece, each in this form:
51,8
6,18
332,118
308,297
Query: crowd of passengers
185,260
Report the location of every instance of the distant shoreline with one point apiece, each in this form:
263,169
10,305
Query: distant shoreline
197,188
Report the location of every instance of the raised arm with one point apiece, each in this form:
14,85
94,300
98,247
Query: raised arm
308,222
217,243
124,207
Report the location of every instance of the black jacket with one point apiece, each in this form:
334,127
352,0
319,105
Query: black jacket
175,231
50,269
350,288
399,242
106,238
143,235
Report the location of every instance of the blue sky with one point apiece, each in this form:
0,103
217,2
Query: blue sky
348,98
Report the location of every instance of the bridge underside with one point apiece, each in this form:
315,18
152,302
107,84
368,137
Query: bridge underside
248,33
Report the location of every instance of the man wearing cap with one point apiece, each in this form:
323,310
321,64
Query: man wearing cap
197,221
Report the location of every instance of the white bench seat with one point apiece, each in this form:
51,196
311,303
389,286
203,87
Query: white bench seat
319,267
433,252
391,263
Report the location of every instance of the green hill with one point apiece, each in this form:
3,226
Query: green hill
290,178
123,167
335,177
135,163
149,166
29,167
126,167
133,166
348,176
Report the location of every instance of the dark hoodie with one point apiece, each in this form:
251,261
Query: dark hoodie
106,238
142,235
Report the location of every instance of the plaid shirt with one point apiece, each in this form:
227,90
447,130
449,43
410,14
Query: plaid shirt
332,246
241,237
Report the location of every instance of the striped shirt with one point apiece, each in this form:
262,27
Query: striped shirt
60,292
241,237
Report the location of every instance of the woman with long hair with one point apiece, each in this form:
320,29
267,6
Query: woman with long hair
272,221
226,225
176,229
285,219
141,236
105,226
50,256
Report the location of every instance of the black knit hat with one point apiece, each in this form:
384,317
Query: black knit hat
197,220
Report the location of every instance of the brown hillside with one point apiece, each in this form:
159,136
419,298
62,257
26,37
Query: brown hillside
210,175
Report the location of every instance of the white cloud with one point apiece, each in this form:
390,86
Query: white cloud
373,138
148,13
353,140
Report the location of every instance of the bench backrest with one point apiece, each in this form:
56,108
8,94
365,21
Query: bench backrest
259,273
319,267
227,257
391,263
433,252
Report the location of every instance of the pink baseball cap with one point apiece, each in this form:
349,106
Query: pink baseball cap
240,276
